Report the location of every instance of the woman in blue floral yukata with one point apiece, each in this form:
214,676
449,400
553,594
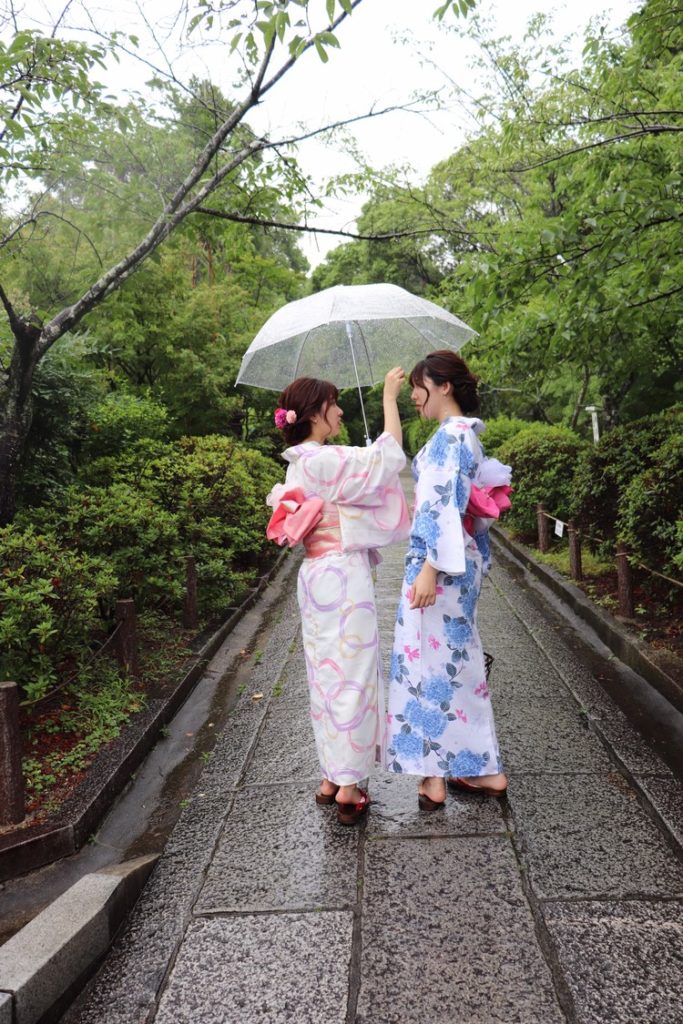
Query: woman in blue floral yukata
440,721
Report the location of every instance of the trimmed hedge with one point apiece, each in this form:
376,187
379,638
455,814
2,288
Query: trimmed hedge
650,518
126,534
201,496
501,430
543,460
607,469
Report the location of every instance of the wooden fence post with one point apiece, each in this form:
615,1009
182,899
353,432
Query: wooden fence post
127,636
12,799
543,527
625,583
190,611
575,567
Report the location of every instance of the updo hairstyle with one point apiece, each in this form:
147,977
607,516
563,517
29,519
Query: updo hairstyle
306,396
446,367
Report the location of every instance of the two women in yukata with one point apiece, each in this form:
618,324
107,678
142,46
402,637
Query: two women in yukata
343,503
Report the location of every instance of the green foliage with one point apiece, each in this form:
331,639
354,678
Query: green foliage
215,488
543,461
416,433
460,8
94,709
65,391
499,430
650,515
122,419
555,230
606,469
138,538
38,72
343,435
50,598
158,502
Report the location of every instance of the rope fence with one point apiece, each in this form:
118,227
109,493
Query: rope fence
624,560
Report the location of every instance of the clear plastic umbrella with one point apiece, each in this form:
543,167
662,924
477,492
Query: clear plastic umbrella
351,335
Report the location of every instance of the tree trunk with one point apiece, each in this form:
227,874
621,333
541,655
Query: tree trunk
581,398
15,418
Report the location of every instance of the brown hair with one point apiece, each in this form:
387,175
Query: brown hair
446,367
306,396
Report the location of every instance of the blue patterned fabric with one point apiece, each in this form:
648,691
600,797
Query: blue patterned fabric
440,720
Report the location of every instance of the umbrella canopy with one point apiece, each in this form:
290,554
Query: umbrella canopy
351,335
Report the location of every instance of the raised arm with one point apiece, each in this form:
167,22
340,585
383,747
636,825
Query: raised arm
392,387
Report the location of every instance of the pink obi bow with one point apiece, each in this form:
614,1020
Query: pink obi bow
487,502
294,517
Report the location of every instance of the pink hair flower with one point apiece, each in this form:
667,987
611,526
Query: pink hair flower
280,418
291,417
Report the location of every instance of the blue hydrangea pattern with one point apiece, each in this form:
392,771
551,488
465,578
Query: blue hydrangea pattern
426,526
445,727
468,764
457,632
438,689
407,745
438,448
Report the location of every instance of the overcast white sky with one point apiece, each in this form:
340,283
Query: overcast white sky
373,66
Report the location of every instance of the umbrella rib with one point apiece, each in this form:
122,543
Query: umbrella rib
367,354
298,358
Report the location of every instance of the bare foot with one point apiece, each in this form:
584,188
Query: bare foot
498,782
434,786
327,788
349,795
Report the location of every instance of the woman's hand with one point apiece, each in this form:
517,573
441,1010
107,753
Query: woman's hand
423,592
393,382
392,385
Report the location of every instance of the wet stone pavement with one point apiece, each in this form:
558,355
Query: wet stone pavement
562,903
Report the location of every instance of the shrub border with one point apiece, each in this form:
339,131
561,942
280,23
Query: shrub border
662,670
24,849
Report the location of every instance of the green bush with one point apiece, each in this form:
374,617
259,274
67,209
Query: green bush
650,516
50,597
120,420
216,489
606,469
543,461
416,433
138,538
500,430
201,496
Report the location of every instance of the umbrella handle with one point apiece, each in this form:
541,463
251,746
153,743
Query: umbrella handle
349,335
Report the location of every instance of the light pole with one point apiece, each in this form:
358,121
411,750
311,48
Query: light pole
593,410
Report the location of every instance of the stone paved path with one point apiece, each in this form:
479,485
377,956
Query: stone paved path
564,903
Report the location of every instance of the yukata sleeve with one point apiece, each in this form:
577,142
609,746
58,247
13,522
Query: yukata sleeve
443,490
348,475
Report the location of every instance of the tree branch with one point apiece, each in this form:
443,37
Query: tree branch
240,218
655,129
14,321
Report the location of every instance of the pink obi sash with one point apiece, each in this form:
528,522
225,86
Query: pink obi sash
325,537
487,503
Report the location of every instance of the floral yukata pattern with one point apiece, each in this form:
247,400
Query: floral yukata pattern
364,498
440,720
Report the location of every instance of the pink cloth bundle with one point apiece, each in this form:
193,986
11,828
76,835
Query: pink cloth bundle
486,503
295,516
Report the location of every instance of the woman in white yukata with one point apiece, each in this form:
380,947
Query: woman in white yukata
440,721
342,502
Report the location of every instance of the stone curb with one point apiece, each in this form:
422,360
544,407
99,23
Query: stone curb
27,849
53,955
663,672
